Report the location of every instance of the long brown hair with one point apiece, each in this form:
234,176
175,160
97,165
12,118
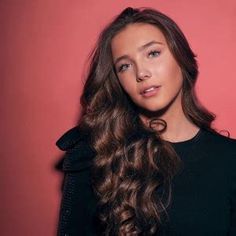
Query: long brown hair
133,168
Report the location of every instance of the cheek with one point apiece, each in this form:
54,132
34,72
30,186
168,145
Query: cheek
177,78
176,72
172,74
129,85
175,84
170,68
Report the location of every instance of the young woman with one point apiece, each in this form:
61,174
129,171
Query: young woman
144,159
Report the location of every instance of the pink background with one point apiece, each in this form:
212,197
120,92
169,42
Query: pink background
44,46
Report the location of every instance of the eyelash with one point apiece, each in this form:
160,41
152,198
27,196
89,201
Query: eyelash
120,68
153,51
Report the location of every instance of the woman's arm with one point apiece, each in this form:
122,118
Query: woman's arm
78,205
232,231
231,149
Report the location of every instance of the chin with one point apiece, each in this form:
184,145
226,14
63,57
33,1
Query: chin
152,108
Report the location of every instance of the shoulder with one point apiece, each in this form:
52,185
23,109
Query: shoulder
222,149
78,151
220,142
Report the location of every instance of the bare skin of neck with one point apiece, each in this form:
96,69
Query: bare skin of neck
179,128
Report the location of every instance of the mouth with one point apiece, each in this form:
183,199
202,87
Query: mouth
150,91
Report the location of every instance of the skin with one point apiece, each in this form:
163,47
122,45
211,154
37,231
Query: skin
142,59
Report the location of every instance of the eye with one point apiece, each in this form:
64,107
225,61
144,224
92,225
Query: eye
154,53
123,67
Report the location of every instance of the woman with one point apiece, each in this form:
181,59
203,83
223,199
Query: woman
144,159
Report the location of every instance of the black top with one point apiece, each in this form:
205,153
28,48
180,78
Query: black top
203,196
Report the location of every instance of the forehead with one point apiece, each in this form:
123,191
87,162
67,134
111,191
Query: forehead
134,36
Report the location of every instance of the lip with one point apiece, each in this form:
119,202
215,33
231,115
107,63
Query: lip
150,93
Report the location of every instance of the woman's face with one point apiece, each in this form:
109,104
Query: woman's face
146,68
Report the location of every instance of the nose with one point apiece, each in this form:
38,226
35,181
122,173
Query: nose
143,73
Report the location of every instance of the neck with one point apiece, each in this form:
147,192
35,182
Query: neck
179,128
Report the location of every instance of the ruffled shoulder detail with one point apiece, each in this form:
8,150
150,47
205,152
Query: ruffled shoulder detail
78,151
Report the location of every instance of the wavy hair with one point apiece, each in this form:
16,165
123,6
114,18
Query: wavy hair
133,167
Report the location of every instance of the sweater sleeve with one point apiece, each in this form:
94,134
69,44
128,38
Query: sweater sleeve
232,231
233,212
77,203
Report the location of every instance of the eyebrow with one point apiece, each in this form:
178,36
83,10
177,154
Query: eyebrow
141,48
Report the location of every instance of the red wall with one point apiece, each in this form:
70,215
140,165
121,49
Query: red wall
43,47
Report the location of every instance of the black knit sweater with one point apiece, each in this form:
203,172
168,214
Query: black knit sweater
203,195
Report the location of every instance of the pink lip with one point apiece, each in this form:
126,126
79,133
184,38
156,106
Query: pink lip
150,93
